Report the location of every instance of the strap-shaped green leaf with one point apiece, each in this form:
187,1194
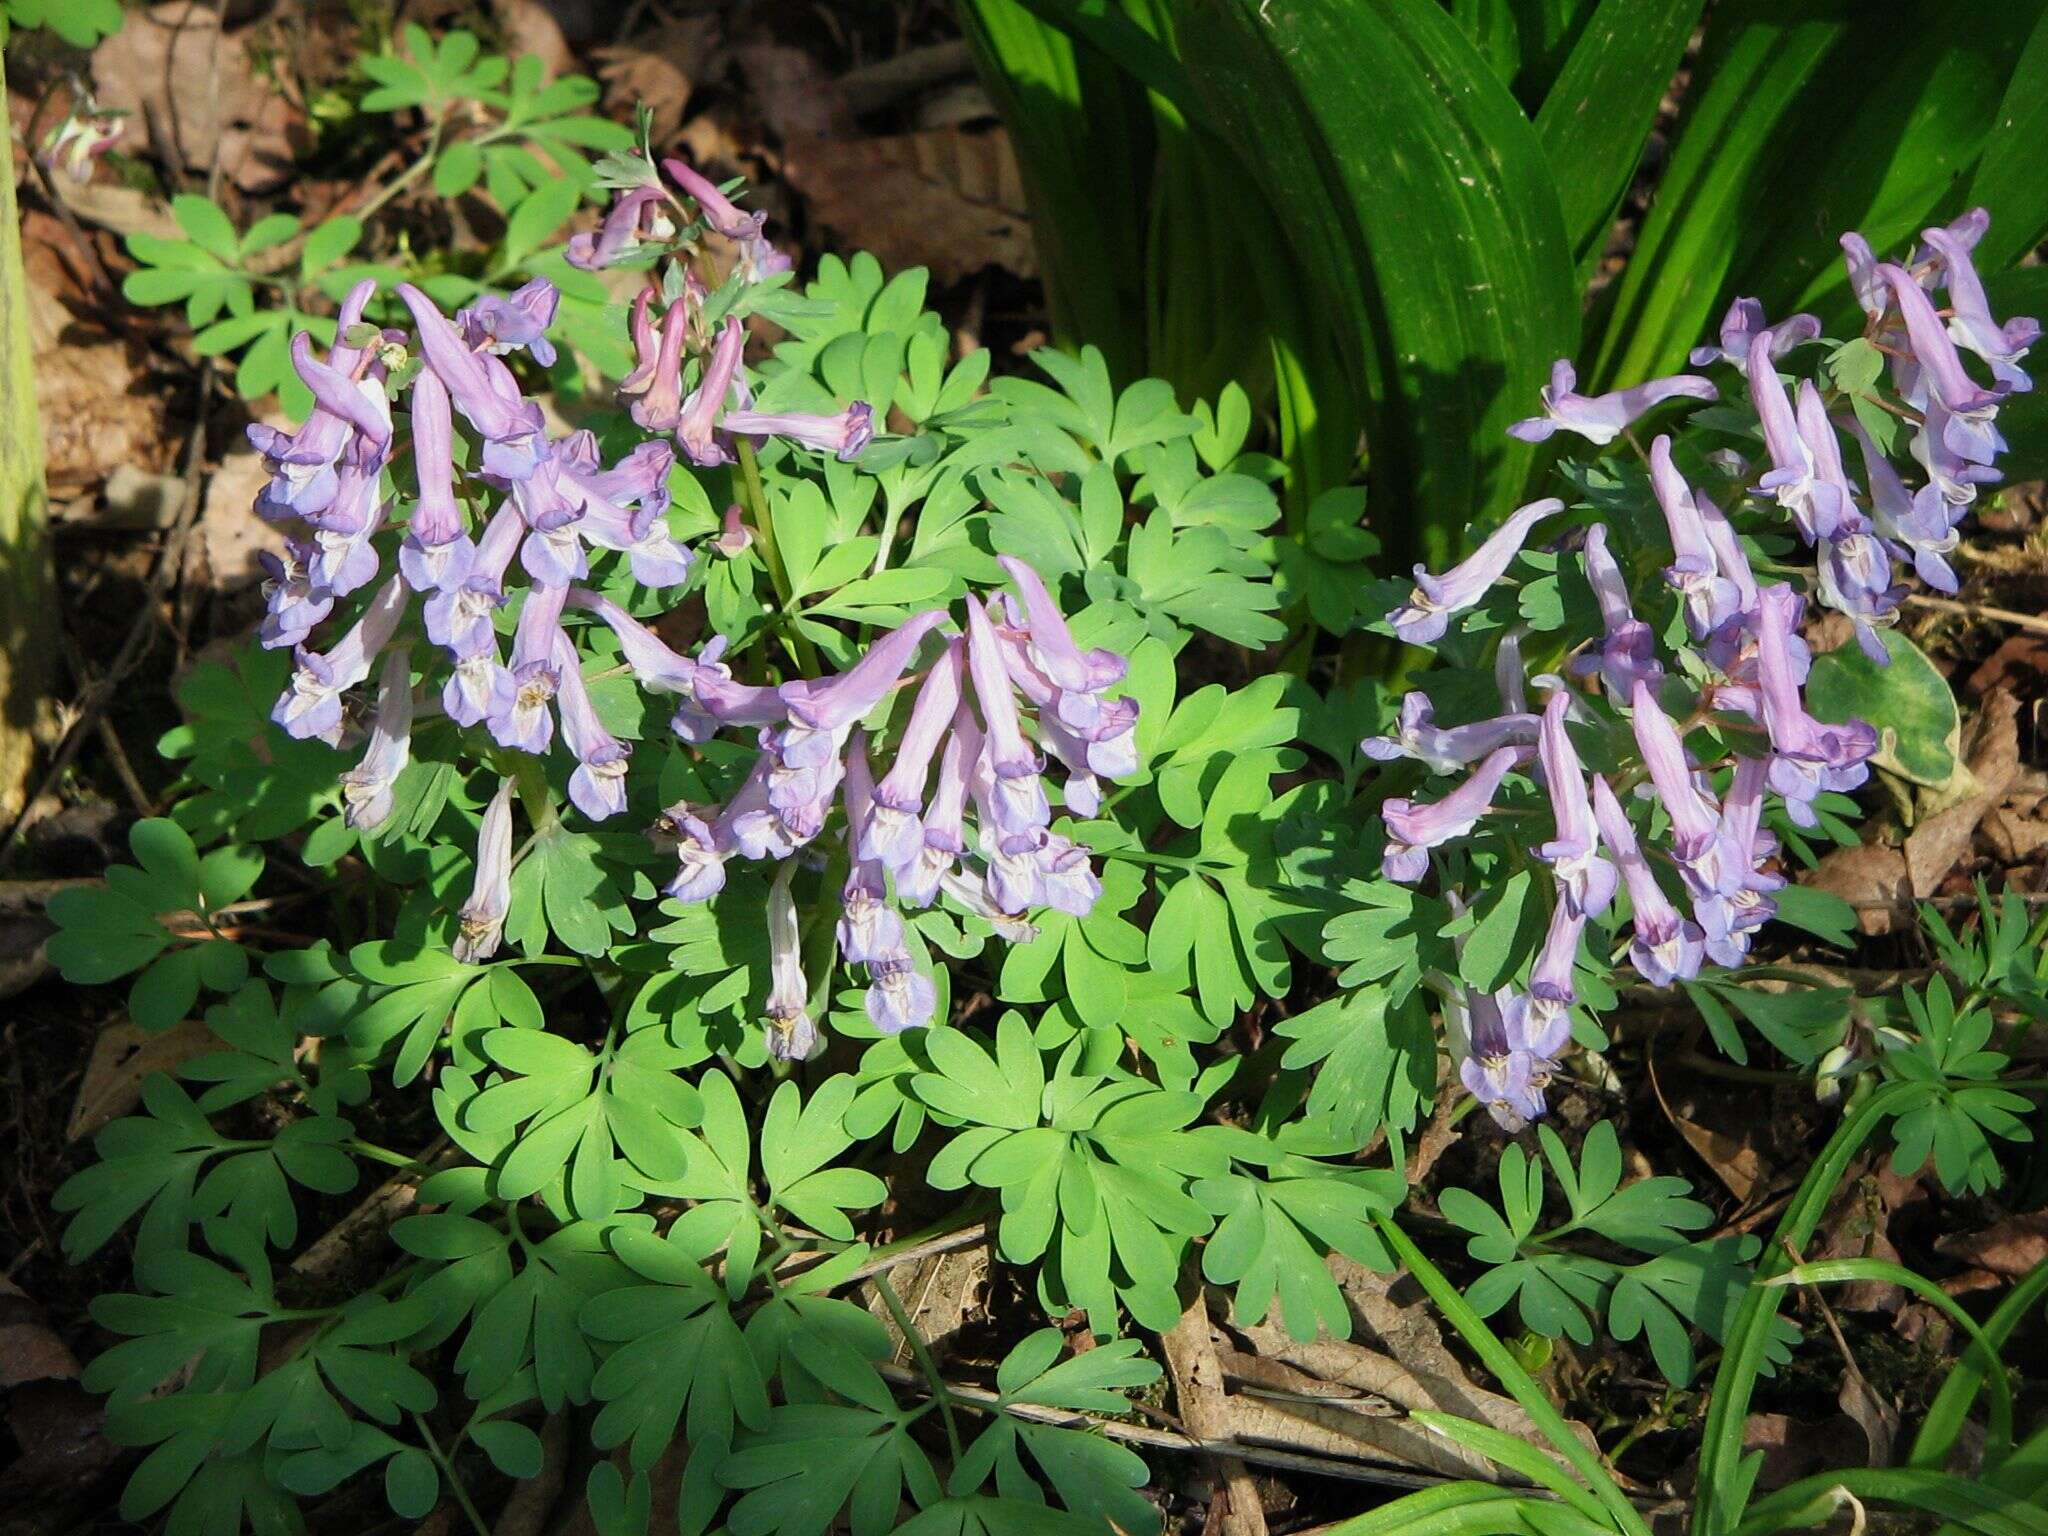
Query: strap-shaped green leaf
1597,117
2008,179
1423,212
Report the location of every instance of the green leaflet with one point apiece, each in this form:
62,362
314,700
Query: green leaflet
2008,179
1423,214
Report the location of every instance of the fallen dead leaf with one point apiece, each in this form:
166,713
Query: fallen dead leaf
660,69
1733,1160
98,407
530,26
56,1426
197,91
940,1291
123,1056
2020,666
948,199
1871,878
792,92
1991,749
2009,1248
1191,1361
29,1348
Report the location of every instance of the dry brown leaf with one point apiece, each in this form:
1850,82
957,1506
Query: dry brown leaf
29,1347
2020,666
530,26
197,90
1733,1160
948,199
1871,878
122,1057
1991,749
940,1291
2010,1247
659,70
57,1428
231,535
792,92
99,409
1198,1394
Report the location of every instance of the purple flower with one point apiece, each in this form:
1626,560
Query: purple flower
759,257
597,787
636,217
892,834
1971,325
1665,945
791,1034
1412,830
696,422
435,556
1797,480
700,854
1423,619
1709,597
552,551
1446,749
1495,1069
75,144
944,839
869,931
1920,523
481,923
366,788
1864,279
311,705
1743,323
1736,900
899,996
968,889
653,664
625,508
482,390
1808,757
1585,881
1602,418
1950,469
1970,407
654,389
1550,979
1856,579
713,699
519,717
843,435
502,325
1017,797
459,617
1627,653
1695,819
293,603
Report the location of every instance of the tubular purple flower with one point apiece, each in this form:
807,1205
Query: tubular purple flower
1729,559
433,559
1423,619
944,839
655,389
1807,756
1666,945
366,788
1508,670
598,785
1493,1069
1446,749
1834,494
1695,820
1971,325
869,932
1017,796
1602,418
512,430
713,699
1960,395
1550,979
1794,480
697,422
654,665
843,435
1864,279
791,1034
700,855
1856,580
1745,321
891,833
750,824
1412,830
552,551
480,925
1919,522
501,325
1585,881
759,257
900,997
293,604
459,617
358,402
1067,879
1952,470
635,217
519,715
311,705
971,892
1627,653
1709,597
1050,644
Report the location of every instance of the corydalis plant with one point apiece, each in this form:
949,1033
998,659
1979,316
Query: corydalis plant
994,695
1692,741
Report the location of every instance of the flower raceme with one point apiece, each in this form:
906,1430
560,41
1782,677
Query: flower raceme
944,796
1692,747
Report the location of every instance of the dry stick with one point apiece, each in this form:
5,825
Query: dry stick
1198,1390
1978,611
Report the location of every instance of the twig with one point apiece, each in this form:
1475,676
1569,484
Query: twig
1978,611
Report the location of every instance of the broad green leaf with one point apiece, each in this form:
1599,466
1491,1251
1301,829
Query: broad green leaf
1909,702
1424,212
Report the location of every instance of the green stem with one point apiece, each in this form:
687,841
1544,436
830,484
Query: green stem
377,1154
755,494
925,1362
1499,1359
433,1449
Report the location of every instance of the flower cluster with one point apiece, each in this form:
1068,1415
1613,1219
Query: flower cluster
990,697
1702,887
907,834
